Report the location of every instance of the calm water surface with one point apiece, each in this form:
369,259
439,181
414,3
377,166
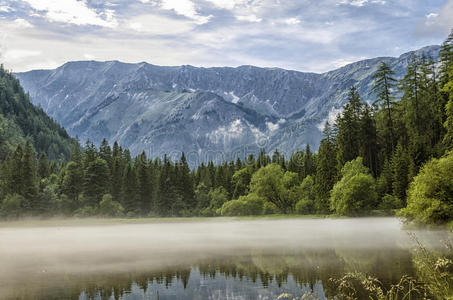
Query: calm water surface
210,259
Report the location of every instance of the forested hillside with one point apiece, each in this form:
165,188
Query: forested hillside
392,154
21,122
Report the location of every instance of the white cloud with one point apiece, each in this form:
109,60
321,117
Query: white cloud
89,56
249,18
6,8
185,8
16,55
271,126
227,4
292,21
73,12
155,24
431,18
360,3
21,23
437,23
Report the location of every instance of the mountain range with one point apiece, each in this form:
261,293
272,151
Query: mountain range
209,113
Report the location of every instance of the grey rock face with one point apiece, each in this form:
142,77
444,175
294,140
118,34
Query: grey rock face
210,113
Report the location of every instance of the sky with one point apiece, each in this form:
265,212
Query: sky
304,35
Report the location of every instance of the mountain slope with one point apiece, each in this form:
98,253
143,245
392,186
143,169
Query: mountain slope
20,121
209,112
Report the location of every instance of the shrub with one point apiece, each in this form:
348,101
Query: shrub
11,206
389,202
430,195
270,208
355,192
251,204
110,208
86,211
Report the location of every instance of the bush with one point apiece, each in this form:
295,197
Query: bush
86,211
234,208
355,193
304,207
430,195
251,204
273,184
110,208
11,206
306,204
270,208
390,202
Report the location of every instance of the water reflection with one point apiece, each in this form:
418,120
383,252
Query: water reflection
201,260
254,274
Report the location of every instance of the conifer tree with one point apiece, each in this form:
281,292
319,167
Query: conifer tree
43,166
145,185
96,182
185,183
400,168
326,173
29,188
348,126
130,197
383,88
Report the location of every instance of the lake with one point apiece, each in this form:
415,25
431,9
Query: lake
214,258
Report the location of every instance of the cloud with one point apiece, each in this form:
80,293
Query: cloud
185,8
438,23
360,3
227,4
292,21
159,25
249,18
21,23
20,54
5,8
72,12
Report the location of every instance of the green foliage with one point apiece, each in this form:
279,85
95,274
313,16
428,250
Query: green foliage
306,204
216,197
270,209
20,121
85,212
251,204
355,193
273,184
241,180
435,270
389,202
110,208
326,174
11,206
96,181
430,195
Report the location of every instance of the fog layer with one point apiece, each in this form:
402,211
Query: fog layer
74,249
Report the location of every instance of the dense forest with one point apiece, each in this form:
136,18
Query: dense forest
392,154
22,122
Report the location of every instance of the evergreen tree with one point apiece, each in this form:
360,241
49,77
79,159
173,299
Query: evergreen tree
185,183
72,184
130,200
117,178
384,83
43,166
369,148
325,171
96,182
29,188
348,126
400,167
145,185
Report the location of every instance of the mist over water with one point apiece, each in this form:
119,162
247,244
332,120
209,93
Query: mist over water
35,257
